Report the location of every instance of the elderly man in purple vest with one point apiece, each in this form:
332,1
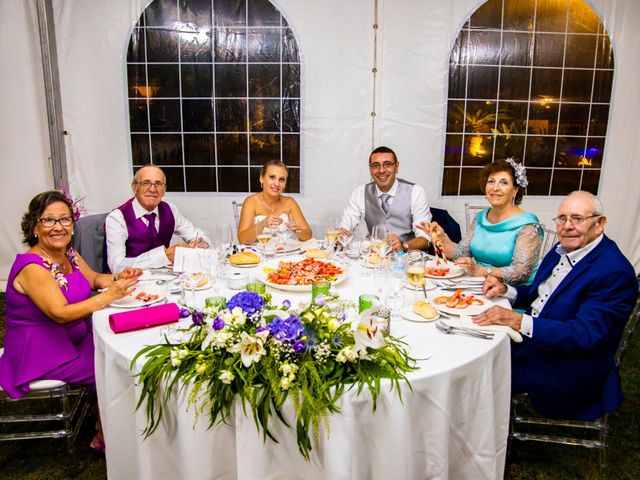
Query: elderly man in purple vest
389,200
139,231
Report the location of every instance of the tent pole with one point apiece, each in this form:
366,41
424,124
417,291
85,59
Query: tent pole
52,93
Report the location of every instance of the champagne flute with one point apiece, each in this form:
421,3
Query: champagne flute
414,270
263,237
331,235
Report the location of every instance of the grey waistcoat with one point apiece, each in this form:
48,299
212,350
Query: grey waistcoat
399,218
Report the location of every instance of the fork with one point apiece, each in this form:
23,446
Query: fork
450,330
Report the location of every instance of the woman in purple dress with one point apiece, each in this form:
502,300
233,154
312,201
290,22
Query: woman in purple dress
49,307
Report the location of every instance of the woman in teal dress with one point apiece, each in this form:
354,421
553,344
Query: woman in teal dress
503,241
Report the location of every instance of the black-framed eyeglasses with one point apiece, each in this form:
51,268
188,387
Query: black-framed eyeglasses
574,219
49,222
385,165
146,185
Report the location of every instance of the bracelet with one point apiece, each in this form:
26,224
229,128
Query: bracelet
99,300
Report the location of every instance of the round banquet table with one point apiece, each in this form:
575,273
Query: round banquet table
452,421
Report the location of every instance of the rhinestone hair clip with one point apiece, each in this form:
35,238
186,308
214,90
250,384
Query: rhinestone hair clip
520,171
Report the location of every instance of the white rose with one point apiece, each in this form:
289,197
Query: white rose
201,368
226,376
285,383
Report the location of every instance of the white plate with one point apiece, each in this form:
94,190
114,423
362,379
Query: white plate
130,300
470,310
454,270
408,314
262,275
206,286
428,285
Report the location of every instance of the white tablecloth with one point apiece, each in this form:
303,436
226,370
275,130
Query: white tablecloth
452,422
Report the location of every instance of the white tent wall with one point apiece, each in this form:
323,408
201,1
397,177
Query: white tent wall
336,41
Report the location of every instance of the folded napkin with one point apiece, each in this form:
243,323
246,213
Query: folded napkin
144,318
466,322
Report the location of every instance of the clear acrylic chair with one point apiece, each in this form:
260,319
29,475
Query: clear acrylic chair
549,239
237,208
470,212
51,409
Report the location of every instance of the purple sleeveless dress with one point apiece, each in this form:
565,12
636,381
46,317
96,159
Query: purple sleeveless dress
36,347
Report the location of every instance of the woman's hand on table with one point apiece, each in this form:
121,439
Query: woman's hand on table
471,267
120,288
127,273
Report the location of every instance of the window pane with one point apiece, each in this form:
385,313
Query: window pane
291,149
264,115
175,178
140,149
482,47
230,13
602,84
197,115
195,46
161,12
293,181
231,115
262,12
480,116
136,50
453,150
594,152
545,84
201,179
539,151
199,150
605,52
565,181
551,15
590,180
455,116
264,45
232,149
289,47
483,82
543,117
231,179
581,17
137,75
469,182
517,49
514,83
163,81
570,151
450,179
291,115
231,80
457,81
599,119
196,12
264,80
512,117
197,80
166,149
162,45
519,15
581,51
509,146
539,181
138,116
576,86
489,15
574,119
291,80
263,148
478,150
230,45
548,50
164,115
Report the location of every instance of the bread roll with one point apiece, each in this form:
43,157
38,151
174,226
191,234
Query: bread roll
425,310
317,253
244,258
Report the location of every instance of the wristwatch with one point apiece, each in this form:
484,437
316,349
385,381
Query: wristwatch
405,246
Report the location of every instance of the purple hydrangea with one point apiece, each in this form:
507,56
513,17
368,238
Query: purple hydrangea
288,330
249,302
286,304
218,324
320,300
299,346
185,312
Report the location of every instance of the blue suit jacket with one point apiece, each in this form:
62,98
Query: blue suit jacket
568,366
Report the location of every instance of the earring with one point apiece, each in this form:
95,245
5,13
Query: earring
35,235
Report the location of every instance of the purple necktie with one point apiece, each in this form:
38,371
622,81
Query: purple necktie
151,218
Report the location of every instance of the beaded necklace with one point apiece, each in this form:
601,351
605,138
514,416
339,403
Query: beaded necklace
56,268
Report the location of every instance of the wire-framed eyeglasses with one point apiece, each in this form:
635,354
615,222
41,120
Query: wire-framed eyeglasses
574,219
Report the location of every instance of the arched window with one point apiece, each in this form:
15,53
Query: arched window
530,79
214,92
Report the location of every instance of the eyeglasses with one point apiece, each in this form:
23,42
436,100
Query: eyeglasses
385,165
574,219
146,185
49,222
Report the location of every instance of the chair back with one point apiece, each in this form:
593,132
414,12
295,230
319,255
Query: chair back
237,208
549,239
447,222
90,241
470,212
627,334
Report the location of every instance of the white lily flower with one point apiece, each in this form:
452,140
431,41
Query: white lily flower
368,333
251,348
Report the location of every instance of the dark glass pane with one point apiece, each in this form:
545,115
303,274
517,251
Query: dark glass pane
545,84
574,119
264,80
582,18
291,80
230,13
137,81
231,115
164,115
284,22
483,82
164,81
290,115
602,84
289,47
195,12
232,149
262,12
197,80
263,45
599,120
459,52
512,117
232,179
478,150
509,146
581,51
543,117
518,15
197,115
175,179
453,150
457,81
263,148
577,85
594,152
539,151
565,181
195,46
489,15
551,15
469,181
254,181
291,149
230,45
231,80
201,179
570,152
590,180
514,83
455,116
484,47
517,48
166,149
161,12
264,115
135,52
199,150
480,117
548,50
605,52
450,179
539,181
140,152
293,181
162,45
138,118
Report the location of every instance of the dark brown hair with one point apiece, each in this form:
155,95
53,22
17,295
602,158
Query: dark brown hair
37,205
500,166
383,149
277,163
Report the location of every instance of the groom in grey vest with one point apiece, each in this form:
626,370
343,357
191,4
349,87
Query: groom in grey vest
389,200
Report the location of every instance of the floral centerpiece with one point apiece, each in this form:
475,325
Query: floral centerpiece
262,354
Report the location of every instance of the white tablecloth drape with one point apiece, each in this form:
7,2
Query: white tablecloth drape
452,422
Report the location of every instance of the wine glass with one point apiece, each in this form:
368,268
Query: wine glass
331,235
414,270
379,235
263,236
223,237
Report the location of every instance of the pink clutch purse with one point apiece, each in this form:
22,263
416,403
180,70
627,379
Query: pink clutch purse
144,318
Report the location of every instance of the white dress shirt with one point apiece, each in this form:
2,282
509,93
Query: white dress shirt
117,235
354,212
567,261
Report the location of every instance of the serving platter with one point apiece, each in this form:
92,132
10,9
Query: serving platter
273,265
473,309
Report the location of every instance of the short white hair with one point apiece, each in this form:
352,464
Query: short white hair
136,177
598,209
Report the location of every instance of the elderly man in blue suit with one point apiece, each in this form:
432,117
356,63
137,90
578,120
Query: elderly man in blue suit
576,310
